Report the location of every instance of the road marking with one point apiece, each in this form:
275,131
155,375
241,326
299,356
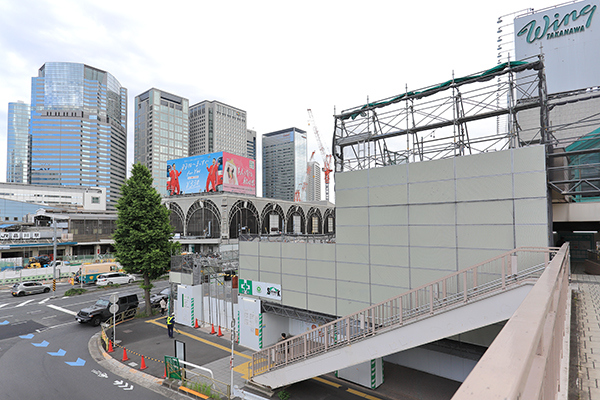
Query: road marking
49,316
45,300
228,349
79,363
361,394
57,308
25,302
4,305
316,378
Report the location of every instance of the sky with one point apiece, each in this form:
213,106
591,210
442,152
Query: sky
273,59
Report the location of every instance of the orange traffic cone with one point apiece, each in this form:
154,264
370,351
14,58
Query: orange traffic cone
212,330
125,358
220,334
143,366
165,375
110,348
196,325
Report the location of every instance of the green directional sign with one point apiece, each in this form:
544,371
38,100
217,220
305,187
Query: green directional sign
245,286
173,367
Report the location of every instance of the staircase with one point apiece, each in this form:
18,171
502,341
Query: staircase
477,296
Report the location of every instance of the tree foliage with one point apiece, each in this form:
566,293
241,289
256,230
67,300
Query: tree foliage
143,235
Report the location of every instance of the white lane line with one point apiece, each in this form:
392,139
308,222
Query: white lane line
57,308
4,305
25,302
45,300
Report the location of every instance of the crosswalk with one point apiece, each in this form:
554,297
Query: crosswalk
27,302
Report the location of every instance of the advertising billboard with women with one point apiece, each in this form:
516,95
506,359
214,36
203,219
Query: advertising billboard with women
215,172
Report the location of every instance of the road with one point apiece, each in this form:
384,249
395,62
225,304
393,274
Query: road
44,351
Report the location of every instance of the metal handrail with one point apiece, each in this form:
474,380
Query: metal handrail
510,269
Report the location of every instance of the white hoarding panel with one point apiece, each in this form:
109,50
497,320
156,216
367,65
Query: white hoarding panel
568,38
188,304
250,330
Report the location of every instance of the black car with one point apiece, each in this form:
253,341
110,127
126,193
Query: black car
156,297
100,311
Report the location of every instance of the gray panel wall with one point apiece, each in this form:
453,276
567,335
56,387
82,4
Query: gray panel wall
402,226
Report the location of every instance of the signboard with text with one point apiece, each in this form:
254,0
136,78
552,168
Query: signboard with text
568,37
215,172
260,289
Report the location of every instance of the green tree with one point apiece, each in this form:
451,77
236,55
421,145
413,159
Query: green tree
143,235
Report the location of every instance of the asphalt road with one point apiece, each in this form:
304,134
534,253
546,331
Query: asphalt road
44,351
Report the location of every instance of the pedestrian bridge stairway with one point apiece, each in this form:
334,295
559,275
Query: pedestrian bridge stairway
474,297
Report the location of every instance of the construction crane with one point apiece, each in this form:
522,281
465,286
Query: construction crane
302,185
326,157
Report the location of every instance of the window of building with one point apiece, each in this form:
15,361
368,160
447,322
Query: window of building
95,200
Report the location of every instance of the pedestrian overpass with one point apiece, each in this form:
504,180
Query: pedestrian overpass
475,297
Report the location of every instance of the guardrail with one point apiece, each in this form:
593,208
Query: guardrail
524,361
8,277
484,279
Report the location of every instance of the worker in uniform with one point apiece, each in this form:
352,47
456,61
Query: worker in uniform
170,324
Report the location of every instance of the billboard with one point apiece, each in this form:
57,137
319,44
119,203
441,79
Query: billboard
568,38
215,172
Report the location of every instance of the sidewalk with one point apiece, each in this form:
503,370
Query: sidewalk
584,369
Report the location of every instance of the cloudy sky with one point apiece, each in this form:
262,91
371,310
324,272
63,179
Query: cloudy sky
273,59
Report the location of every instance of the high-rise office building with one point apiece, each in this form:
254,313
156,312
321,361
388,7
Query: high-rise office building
284,164
17,149
313,189
78,128
215,127
251,144
161,133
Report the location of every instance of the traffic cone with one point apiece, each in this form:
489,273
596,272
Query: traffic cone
220,334
212,330
110,348
196,324
165,375
125,358
143,366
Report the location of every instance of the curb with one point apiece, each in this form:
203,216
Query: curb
140,378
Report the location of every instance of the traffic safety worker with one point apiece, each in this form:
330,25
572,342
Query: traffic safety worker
170,324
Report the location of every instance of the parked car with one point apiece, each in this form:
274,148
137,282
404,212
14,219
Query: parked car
23,288
156,297
100,311
113,278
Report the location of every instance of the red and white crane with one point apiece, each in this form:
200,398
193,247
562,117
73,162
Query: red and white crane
326,157
302,185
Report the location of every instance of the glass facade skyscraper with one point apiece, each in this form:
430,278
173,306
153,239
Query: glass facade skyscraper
284,164
78,128
18,144
161,133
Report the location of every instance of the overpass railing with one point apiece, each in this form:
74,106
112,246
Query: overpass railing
526,358
508,270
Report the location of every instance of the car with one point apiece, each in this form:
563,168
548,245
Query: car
23,288
163,294
100,311
112,278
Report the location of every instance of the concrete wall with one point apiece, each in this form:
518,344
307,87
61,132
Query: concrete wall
402,226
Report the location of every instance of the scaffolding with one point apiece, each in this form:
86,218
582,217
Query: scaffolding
450,119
